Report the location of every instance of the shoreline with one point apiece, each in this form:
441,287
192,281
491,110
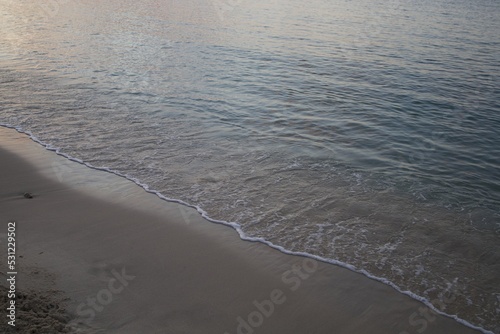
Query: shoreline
277,286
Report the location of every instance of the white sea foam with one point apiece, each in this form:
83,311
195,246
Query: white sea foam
245,237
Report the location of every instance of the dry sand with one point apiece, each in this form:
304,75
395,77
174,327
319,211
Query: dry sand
98,254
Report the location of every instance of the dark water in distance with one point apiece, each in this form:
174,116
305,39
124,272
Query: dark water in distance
360,131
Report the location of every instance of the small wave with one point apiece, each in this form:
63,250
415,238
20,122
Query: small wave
243,236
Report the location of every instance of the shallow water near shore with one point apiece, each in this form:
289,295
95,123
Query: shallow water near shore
361,132
155,243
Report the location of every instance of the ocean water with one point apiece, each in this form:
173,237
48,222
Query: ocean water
366,133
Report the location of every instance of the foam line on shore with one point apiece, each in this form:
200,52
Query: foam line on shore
241,233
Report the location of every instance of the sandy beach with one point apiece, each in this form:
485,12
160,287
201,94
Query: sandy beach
95,253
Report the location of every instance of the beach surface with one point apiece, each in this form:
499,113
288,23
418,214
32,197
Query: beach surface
96,253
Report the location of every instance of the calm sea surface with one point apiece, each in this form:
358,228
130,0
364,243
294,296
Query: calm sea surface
365,132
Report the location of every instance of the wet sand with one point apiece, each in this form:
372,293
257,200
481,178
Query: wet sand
95,253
